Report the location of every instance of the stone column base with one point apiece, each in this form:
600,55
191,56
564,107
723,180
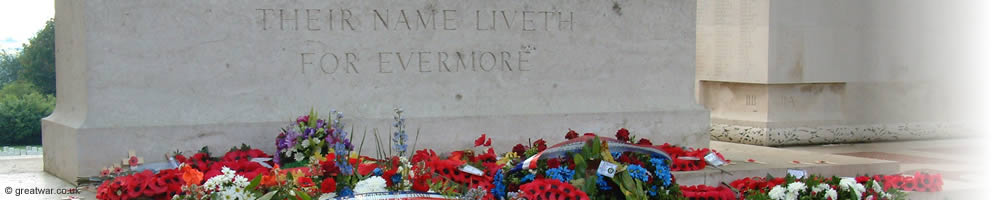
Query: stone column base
836,134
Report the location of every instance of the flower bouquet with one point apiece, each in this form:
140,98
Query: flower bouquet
600,167
814,187
309,138
192,172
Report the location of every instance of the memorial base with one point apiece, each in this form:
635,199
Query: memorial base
72,151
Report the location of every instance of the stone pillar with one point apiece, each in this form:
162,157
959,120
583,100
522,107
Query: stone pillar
787,72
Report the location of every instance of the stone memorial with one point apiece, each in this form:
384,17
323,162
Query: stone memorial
158,76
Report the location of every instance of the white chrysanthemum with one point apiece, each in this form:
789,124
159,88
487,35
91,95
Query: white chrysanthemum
216,182
846,183
240,181
228,185
858,189
305,144
777,193
369,185
299,156
820,188
234,193
796,187
880,191
849,184
830,194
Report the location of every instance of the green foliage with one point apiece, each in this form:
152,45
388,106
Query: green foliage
447,188
9,67
632,187
38,60
20,117
18,88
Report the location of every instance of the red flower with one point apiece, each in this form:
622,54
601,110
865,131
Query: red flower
200,161
115,189
571,135
366,168
155,186
481,140
328,186
420,183
387,175
303,119
305,182
489,157
936,182
707,192
104,191
622,135
645,141
552,163
518,149
457,155
449,169
424,155
243,168
862,179
329,167
627,158
551,189
909,184
244,155
133,161
135,184
540,144
180,158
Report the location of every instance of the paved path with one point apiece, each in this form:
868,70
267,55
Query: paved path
25,172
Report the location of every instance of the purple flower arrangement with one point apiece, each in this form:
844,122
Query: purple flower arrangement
309,137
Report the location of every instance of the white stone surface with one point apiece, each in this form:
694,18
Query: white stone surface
158,76
814,64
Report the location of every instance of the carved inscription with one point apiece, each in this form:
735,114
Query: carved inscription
295,19
409,20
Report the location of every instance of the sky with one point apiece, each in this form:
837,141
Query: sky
21,19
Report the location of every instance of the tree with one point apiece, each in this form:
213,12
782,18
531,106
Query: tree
18,88
9,67
38,60
19,117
